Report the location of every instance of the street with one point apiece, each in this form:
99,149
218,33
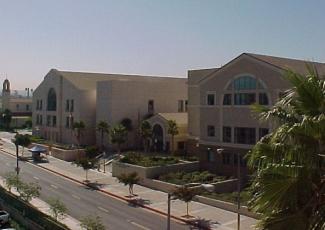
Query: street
82,201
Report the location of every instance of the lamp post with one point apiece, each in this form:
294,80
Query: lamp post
220,151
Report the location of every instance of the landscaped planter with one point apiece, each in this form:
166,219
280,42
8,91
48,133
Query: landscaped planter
152,172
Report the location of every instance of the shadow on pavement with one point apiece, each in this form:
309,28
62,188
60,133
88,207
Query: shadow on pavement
201,223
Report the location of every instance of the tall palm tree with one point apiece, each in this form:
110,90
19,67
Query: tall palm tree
78,128
146,133
289,183
118,136
102,128
172,131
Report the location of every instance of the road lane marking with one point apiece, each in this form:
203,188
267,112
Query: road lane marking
36,178
138,225
76,197
103,209
53,186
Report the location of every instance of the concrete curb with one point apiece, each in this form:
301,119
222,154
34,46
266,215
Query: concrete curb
114,195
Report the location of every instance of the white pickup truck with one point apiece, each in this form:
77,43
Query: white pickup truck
4,217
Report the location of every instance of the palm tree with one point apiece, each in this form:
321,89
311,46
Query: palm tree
78,128
6,118
185,194
118,136
146,134
102,128
172,131
289,183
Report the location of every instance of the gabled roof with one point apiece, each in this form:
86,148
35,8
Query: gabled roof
88,81
179,118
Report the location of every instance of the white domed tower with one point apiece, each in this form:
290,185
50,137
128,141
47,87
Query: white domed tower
6,95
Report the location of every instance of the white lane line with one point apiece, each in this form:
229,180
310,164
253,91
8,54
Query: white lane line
138,225
36,178
53,186
76,197
103,209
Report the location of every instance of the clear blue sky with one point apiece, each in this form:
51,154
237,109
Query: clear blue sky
156,37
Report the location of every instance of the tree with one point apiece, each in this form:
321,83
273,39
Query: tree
118,136
29,122
129,180
6,118
28,191
11,180
78,128
102,128
185,194
146,134
172,131
127,123
289,183
92,223
86,163
57,208
20,140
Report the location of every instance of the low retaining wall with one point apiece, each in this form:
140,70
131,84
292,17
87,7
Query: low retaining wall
64,154
153,172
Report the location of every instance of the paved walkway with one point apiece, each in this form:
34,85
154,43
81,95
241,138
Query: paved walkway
218,218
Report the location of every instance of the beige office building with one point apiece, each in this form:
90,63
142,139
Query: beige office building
219,110
66,97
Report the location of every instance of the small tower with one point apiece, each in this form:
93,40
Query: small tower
6,95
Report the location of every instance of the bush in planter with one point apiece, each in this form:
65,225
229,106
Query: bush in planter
91,151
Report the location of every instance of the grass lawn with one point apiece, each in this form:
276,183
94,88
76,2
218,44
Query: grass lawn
148,161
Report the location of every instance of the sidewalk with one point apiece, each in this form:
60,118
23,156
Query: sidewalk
218,218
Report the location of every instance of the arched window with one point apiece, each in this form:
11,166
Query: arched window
245,83
51,100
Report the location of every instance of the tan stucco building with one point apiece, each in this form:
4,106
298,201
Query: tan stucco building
66,97
219,110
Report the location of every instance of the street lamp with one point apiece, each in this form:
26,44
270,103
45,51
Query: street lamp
220,151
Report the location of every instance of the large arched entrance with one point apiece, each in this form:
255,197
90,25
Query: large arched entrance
158,138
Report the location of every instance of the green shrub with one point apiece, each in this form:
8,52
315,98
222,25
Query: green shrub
181,178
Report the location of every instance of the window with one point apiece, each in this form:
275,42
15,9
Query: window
210,155
71,122
245,83
48,120
227,99
180,106
241,160
17,107
226,134
262,132
54,121
262,99
211,99
27,107
244,98
225,158
245,136
186,104
211,131
37,119
67,122
41,105
71,105
40,119
37,105
67,105
51,100
151,108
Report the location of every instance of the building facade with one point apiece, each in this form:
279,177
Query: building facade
67,97
221,122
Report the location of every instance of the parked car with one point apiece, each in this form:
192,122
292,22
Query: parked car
4,217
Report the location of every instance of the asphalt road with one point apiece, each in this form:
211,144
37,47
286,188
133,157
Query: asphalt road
82,201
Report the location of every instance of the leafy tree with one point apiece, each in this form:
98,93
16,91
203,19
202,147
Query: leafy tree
146,134
129,180
91,151
92,223
185,194
11,180
86,163
78,128
102,128
57,208
29,123
172,131
118,136
289,184
127,123
28,191
6,118
20,140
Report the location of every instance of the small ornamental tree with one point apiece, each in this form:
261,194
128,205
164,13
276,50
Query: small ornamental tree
92,223
185,194
28,191
129,180
118,136
58,209
146,134
172,131
78,128
11,180
86,163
